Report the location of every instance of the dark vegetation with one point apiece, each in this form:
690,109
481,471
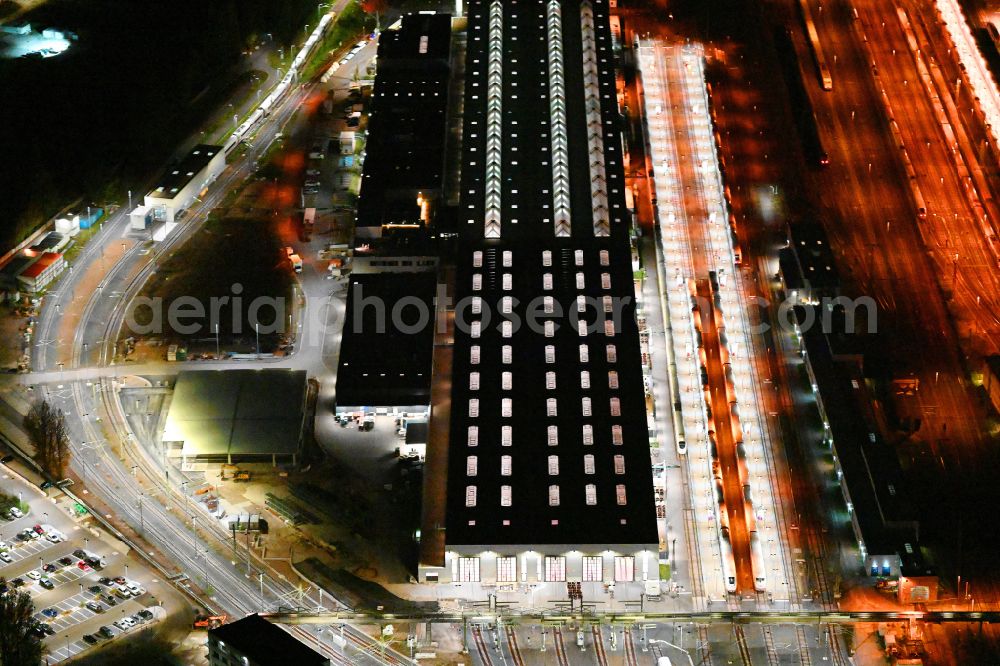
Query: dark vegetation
106,115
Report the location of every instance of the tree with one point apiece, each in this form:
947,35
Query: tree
18,645
46,427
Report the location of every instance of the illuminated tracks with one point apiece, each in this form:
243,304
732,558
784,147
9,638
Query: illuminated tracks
690,417
557,111
715,381
494,117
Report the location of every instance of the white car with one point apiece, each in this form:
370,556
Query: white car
5,556
55,536
33,575
123,592
14,513
125,623
134,589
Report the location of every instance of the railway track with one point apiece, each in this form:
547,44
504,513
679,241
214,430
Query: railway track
772,655
477,637
630,657
560,647
602,655
741,643
704,647
805,657
515,649
836,647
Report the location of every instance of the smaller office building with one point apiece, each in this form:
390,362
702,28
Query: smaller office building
253,641
387,346
183,182
232,416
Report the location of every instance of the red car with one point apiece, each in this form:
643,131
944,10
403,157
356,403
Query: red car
83,566
38,529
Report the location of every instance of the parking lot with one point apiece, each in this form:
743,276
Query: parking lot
78,576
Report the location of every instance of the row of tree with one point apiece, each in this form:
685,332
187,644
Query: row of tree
46,428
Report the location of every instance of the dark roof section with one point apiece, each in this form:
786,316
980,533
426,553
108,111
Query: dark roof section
527,232
264,643
872,472
808,261
176,177
406,128
382,363
420,39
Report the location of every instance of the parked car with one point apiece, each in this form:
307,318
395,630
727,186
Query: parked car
14,513
106,582
119,580
50,567
80,553
39,530
95,589
55,536
106,631
146,614
6,459
122,592
83,566
95,562
65,561
89,639
5,556
17,582
47,629
312,172
94,606
134,589
46,583
50,613
108,599
33,574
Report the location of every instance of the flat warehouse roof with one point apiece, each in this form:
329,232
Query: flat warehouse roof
549,440
237,412
385,360
176,177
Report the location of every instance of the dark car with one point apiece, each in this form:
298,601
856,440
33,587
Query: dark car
106,631
107,582
17,582
23,536
6,459
94,562
49,631
94,606
95,589
80,553
50,612
65,561
3,588
89,639
50,567
145,614
108,599
38,631
46,583
120,580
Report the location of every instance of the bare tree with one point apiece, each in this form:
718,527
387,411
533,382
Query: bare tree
19,646
46,427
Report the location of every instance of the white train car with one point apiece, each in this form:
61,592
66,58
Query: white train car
757,563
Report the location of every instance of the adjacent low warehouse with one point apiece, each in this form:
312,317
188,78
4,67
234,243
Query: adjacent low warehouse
385,355
236,416
253,641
